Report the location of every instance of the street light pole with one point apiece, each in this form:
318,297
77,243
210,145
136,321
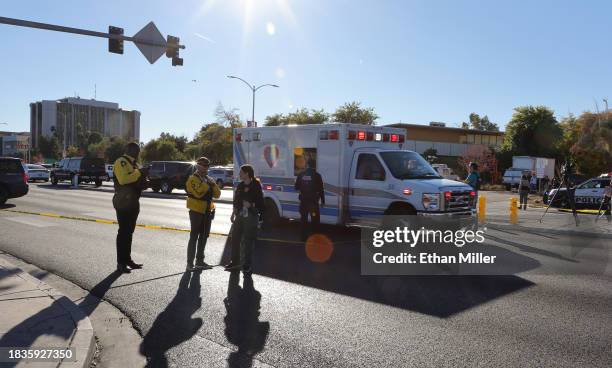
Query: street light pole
254,89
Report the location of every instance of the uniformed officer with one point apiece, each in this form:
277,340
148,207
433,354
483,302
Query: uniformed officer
129,181
201,189
310,186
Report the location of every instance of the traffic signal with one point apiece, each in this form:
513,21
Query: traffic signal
172,49
114,45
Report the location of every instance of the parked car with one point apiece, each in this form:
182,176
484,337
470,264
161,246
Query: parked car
37,172
512,177
169,175
222,175
587,195
109,172
89,169
13,179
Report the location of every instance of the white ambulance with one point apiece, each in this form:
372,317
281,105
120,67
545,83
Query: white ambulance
365,170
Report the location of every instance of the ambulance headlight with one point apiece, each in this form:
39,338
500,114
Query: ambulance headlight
431,201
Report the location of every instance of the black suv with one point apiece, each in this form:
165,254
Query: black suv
168,175
89,169
13,179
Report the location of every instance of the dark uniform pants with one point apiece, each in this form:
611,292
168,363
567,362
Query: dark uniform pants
309,208
524,196
200,229
244,234
127,223
607,205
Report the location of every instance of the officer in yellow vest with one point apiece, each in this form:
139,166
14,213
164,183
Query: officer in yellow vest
129,181
201,189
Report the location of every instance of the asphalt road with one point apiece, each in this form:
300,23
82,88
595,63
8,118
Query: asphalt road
553,311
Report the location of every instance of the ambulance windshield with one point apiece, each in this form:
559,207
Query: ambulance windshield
408,165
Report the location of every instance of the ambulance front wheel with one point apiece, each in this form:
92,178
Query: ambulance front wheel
271,216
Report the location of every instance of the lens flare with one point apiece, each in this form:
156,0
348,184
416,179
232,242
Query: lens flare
319,248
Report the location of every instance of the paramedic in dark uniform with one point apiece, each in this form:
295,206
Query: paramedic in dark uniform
129,181
310,186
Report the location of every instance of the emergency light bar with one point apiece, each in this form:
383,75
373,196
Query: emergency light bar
361,135
378,137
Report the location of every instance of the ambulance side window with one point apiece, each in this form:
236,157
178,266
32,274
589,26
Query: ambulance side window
369,168
301,157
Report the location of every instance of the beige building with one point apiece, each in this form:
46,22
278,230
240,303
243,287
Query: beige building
64,115
447,141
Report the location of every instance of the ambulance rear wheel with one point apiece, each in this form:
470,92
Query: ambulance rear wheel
272,216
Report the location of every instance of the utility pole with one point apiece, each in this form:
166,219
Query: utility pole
148,40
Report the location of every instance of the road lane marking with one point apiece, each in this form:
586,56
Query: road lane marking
31,221
151,227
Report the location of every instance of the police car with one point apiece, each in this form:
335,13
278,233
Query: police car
588,194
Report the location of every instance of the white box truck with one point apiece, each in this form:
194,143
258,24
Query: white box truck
366,173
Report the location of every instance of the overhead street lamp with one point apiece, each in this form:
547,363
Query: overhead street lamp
254,89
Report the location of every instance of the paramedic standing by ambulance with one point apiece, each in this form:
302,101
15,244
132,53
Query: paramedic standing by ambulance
201,189
310,186
129,181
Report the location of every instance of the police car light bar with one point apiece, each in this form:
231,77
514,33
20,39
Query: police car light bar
370,136
378,137
394,138
385,137
361,135
333,135
351,135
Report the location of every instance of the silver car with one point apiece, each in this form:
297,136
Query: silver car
222,175
36,172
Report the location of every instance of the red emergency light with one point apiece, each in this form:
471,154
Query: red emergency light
385,137
401,138
268,187
447,196
394,138
333,135
351,135
238,137
361,135
370,136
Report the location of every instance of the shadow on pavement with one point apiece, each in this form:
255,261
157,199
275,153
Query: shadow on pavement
6,206
440,296
175,324
242,326
42,323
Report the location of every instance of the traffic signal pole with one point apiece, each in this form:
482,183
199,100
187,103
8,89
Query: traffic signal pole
85,32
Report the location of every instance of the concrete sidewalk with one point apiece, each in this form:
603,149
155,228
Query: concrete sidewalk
34,315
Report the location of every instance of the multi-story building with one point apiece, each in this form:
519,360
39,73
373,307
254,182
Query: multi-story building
67,116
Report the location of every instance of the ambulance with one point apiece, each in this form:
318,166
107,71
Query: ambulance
366,171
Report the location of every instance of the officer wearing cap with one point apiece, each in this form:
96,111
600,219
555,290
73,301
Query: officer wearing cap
129,181
201,189
310,186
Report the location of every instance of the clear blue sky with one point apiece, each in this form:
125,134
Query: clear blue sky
413,61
